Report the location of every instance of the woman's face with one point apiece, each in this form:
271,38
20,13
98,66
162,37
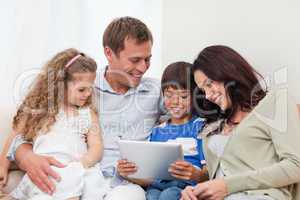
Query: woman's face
214,90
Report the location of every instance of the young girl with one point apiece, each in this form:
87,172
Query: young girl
56,115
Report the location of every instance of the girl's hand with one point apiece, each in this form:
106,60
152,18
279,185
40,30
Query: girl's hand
184,170
3,176
85,162
4,166
211,190
126,168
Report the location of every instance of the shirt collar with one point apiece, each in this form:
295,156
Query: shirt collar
101,82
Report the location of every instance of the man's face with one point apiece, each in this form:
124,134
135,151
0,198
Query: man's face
131,63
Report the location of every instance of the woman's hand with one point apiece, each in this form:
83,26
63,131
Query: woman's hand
211,190
184,170
126,168
188,194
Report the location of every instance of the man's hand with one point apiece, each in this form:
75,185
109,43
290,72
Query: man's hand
38,168
126,168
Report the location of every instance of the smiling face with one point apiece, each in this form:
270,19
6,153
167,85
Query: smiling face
214,91
80,88
178,103
131,63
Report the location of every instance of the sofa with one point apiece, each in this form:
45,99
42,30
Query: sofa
6,115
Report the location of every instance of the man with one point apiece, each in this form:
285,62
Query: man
128,108
129,103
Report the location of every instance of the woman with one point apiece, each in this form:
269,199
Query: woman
251,141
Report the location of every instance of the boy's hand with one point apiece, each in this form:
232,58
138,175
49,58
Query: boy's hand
126,168
184,170
3,176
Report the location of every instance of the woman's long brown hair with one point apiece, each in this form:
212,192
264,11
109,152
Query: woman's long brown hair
241,81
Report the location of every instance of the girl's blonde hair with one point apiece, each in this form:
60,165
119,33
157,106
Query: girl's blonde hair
41,105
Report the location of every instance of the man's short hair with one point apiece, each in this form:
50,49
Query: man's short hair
124,28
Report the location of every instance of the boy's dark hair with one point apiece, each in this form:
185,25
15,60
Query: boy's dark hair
124,28
177,75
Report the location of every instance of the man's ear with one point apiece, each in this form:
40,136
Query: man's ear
108,53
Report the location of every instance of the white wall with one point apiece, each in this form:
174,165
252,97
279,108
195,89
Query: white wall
265,32
32,31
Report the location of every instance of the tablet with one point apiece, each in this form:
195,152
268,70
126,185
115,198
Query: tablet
152,158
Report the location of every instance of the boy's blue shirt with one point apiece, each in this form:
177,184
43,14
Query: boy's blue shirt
191,129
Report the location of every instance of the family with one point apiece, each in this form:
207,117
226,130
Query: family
244,136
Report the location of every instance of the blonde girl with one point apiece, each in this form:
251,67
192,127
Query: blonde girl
55,116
